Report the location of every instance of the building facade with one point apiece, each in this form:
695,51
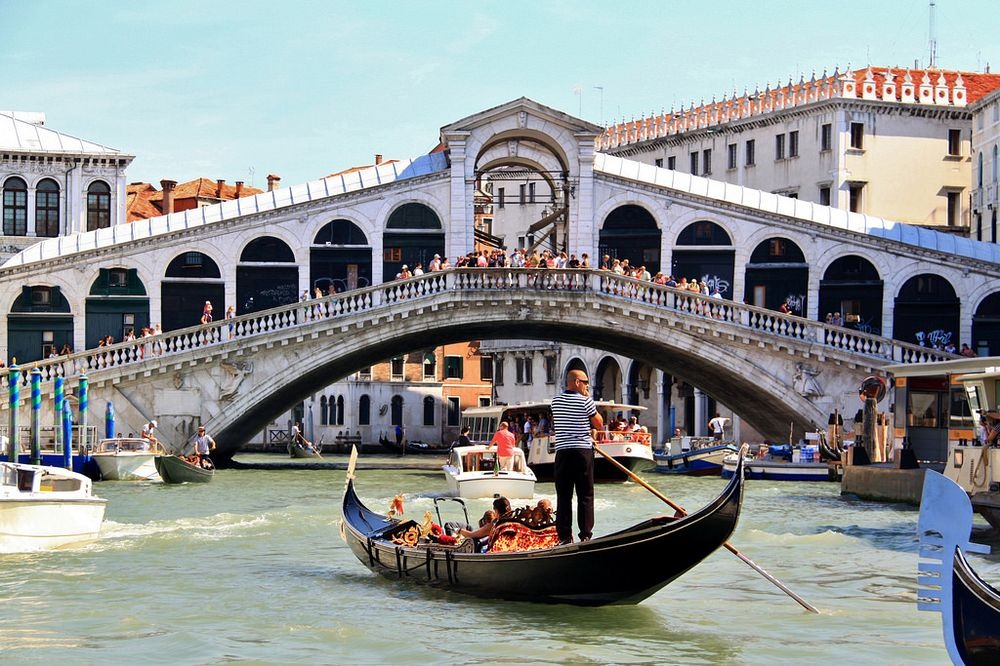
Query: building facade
985,167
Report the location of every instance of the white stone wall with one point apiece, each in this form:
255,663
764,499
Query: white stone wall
986,168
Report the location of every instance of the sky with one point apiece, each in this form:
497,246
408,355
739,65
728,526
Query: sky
303,89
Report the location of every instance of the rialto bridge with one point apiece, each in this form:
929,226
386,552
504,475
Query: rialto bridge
354,231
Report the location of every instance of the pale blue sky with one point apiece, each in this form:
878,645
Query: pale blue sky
303,89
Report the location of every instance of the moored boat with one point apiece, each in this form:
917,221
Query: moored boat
44,507
127,458
703,457
779,464
473,472
969,606
174,469
411,448
623,567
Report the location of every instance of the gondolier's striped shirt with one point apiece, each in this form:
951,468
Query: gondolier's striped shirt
571,414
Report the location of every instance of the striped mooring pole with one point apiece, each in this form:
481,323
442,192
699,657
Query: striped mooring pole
36,417
84,406
60,395
67,434
14,391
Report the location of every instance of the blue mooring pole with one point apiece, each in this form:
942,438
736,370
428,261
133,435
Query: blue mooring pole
36,417
67,434
14,391
109,421
58,408
84,406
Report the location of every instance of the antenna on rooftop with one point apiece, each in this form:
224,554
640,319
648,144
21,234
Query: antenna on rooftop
250,171
932,38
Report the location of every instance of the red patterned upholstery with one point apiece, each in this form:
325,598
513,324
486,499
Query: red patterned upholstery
511,537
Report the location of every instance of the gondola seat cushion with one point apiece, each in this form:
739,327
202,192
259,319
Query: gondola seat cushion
513,536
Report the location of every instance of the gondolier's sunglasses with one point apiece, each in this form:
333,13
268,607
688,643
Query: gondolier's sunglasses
583,381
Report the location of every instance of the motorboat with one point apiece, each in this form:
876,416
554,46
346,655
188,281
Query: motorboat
783,463
176,469
43,507
969,606
474,472
694,456
623,567
127,458
632,449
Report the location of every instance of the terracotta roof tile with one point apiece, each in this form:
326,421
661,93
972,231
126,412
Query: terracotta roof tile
204,188
359,168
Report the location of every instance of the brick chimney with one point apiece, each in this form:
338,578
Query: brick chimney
273,182
168,195
219,184
239,189
378,159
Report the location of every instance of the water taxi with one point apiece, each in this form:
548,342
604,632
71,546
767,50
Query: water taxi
631,449
127,458
474,472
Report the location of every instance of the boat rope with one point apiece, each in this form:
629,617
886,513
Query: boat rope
430,556
399,561
983,465
369,547
449,563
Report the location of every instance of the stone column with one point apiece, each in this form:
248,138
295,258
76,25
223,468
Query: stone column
459,236
697,428
664,383
580,234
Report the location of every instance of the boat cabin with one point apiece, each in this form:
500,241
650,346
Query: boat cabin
126,445
483,421
481,459
23,479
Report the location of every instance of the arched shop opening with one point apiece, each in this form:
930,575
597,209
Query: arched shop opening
340,257
40,323
607,384
117,305
266,277
630,232
986,327
777,273
191,279
705,252
413,235
926,312
852,287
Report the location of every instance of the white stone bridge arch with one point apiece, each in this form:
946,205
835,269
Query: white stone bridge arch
772,369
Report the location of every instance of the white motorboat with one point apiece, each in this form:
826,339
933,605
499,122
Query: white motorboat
45,507
783,463
473,472
127,458
630,449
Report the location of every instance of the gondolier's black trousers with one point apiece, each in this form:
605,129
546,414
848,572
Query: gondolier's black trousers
574,471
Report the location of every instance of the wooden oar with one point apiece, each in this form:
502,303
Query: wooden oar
802,602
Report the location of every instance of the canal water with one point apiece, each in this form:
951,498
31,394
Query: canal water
251,568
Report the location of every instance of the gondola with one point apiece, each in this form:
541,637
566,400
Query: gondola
624,567
969,606
411,448
173,469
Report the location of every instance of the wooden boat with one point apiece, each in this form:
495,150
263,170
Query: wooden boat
969,606
127,458
472,473
623,567
44,507
703,457
630,449
174,469
300,450
413,448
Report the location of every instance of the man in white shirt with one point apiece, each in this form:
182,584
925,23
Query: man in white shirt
718,426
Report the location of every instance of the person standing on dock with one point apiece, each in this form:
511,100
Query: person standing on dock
574,414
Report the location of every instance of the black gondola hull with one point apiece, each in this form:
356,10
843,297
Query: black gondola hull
620,568
975,615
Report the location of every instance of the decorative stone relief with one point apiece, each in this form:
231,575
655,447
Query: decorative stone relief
522,119
512,146
233,374
805,381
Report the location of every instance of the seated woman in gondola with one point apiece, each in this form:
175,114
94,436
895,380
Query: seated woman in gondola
501,508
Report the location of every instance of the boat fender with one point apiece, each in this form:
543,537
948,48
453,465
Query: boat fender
628,449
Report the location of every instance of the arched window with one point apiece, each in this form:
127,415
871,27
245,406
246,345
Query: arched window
323,420
267,249
98,206
429,410
340,410
365,410
413,216
193,265
996,162
47,209
340,232
704,232
396,417
15,207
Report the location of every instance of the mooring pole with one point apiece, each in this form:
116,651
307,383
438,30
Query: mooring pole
58,407
14,391
67,434
84,406
36,417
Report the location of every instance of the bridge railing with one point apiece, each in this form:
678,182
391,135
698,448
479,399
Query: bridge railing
373,298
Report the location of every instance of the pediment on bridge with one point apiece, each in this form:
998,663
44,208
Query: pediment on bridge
514,110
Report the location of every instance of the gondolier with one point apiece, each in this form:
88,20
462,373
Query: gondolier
203,443
573,416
